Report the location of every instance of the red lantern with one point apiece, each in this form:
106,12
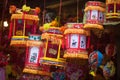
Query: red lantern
94,15
77,41
53,50
34,52
21,26
113,10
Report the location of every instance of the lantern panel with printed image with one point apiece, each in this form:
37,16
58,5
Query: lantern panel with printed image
34,52
21,26
94,15
53,54
77,40
113,10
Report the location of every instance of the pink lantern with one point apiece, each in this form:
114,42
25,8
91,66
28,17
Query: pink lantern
77,40
34,52
21,26
94,15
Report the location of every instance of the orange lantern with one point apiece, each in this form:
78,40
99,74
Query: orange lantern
53,54
77,41
34,52
94,15
113,9
21,26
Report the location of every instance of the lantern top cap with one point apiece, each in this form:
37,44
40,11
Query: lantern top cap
95,3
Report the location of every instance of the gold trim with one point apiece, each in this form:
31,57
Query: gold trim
36,72
77,31
34,43
93,26
26,16
95,8
82,55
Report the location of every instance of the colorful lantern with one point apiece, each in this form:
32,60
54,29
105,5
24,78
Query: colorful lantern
77,40
53,54
94,15
95,59
109,69
34,52
110,50
21,26
113,9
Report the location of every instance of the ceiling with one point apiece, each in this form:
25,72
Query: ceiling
4,8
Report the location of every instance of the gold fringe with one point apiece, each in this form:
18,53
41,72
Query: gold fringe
77,31
26,16
25,70
95,8
93,26
82,55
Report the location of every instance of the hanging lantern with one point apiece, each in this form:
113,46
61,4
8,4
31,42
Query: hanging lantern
94,15
110,50
95,59
113,9
21,26
76,41
109,69
34,52
53,54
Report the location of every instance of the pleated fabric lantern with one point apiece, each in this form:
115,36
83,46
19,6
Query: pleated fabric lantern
21,26
34,52
77,40
53,54
113,9
94,15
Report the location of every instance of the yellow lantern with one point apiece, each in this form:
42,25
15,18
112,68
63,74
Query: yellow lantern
53,52
113,9
94,15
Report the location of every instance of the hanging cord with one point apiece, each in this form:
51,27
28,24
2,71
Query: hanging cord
59,13
43,20
3,16
24,1
77,11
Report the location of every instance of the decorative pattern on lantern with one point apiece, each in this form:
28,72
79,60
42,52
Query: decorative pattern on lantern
34,52
113,9
109,70
77,40
95,59
53,54
21,26
94,15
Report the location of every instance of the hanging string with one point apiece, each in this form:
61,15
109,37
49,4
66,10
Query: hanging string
44,12
77,11
59,13
24,1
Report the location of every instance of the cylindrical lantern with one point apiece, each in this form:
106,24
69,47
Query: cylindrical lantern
76,41
113,10
53,54
94,15
34,52
21,26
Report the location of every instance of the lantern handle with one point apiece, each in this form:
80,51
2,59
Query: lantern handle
77,11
